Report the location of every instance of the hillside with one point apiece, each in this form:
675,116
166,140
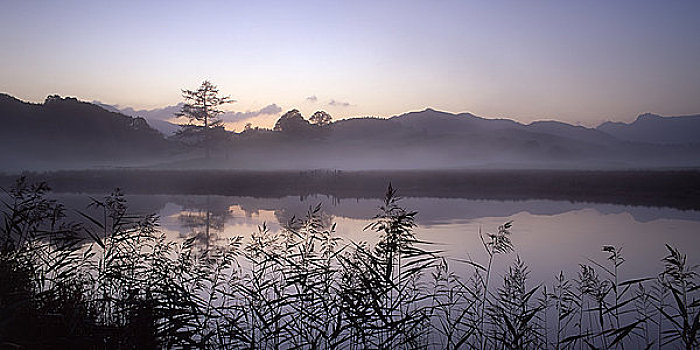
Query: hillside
434,139
65,130
156,118
652,128
65,133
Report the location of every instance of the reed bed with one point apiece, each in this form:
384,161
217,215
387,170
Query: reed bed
113,281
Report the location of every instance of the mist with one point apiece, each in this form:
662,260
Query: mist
65,133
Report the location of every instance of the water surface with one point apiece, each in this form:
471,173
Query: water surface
549,236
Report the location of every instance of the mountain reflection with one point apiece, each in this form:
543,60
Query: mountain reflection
194,212
574,231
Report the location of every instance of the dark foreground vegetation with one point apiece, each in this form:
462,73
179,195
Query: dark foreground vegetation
664,188
129,287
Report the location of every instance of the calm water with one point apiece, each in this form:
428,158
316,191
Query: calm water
549,236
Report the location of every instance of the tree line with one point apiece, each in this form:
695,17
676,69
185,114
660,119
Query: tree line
205,130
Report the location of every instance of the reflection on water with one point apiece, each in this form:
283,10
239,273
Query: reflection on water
204,221
296,278
549,236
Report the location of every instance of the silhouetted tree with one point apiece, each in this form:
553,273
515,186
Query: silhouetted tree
202,106
292,122
320,118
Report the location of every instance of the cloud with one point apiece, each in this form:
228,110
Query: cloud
111,108
312,99
271,109
335,103
168,113
165,113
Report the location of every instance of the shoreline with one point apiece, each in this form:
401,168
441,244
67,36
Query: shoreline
678,189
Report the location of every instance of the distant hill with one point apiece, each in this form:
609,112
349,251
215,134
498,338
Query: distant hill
431,123
63,132
652,128
165,127
434,139
163,119
66,130
157,118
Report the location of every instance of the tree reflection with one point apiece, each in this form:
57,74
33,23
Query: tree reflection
288,216
205,218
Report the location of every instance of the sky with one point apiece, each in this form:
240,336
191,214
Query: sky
582,62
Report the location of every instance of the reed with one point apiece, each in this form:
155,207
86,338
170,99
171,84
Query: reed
113,280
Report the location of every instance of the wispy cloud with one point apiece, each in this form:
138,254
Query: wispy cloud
165,113
335,103
168,113
312,99
271,109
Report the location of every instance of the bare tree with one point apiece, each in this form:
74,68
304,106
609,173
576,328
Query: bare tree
202,106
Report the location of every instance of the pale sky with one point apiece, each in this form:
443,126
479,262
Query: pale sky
576,61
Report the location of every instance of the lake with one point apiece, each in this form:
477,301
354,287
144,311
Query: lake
556,226
549,236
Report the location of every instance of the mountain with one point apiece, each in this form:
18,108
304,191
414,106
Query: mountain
164,113
66,130
435,139
165,127
160,118
652,128
436,122
157,118
575,132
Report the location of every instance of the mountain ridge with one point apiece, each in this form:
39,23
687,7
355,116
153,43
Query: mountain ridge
653,128
157,118
64,129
